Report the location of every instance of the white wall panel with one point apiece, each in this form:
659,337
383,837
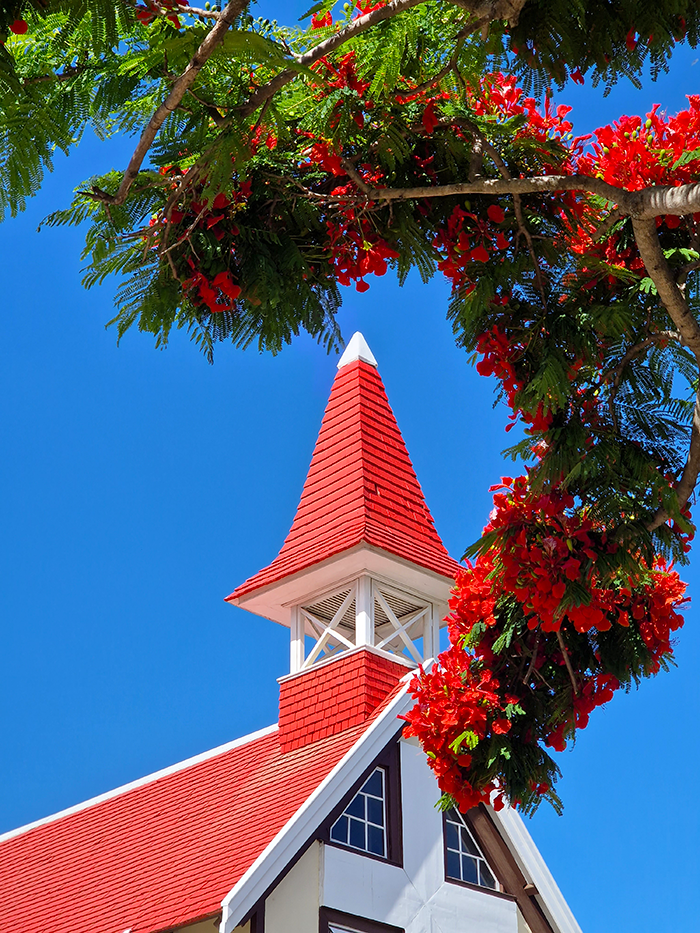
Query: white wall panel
293,905
415,897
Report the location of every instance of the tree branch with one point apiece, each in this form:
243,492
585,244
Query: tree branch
674,301
306,59
660,273
211,41
567,661
403,96
71,71
633,352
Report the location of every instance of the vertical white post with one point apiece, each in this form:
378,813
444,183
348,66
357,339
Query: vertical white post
431,634
364,614
296,645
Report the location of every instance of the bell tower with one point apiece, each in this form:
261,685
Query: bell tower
362,577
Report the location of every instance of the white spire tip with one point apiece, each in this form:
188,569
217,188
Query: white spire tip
357,349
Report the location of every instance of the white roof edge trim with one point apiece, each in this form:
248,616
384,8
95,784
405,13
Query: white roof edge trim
534,867
357,349
140,782
273,860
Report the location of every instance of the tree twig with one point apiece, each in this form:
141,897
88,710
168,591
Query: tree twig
567,661
616,373
606,226
403,96
306,59
533,659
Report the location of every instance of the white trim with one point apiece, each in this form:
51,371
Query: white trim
275,600
533,866
273,860
140,782
380,653
357,349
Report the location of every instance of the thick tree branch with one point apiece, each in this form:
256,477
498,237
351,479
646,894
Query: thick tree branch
660,273
677,307
640,205
211,41
545,184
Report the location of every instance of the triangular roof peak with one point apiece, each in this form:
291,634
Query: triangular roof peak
361,495
357,349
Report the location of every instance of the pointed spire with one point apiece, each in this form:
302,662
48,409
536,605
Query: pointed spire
361,489
357,349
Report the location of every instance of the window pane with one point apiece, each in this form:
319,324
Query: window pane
356,807
375,810
357,834
487,879
469,870
451,836
468,843
453,867
363,824
339,832
374,784
375,840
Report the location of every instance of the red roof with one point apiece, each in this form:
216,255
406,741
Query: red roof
361,488
165,853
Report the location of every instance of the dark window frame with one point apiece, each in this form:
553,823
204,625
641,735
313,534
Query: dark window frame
390,761
327,916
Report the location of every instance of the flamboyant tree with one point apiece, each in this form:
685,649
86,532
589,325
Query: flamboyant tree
274,165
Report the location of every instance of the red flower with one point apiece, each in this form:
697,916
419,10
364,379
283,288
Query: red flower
496,213
320,22
430,119
19,27
501,726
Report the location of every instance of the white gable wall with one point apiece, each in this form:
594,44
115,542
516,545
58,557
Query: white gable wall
414,897
293,905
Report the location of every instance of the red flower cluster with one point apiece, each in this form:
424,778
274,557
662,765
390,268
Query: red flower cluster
356,250
473,698
456,710
499,355
466,239
154,8
543,545
635,153
499,96
322,20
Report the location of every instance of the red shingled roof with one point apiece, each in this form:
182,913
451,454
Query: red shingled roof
361,487
164,853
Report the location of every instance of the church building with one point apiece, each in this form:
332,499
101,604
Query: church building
325,822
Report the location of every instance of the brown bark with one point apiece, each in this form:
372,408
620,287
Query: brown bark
211,41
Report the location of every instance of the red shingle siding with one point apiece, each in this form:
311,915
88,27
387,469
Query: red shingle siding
361,487
324,701
163,854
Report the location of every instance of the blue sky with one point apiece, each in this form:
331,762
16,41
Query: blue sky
139,487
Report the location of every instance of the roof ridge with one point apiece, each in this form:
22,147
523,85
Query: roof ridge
140,782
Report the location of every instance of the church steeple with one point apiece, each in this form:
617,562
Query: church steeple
362,565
